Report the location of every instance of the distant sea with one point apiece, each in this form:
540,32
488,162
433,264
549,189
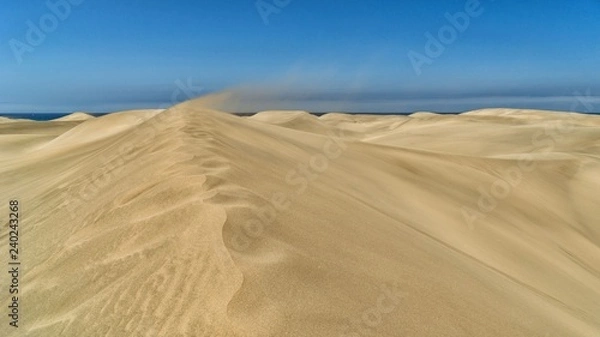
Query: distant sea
43,116
53,115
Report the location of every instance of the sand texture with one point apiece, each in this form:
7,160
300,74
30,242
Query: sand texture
195,222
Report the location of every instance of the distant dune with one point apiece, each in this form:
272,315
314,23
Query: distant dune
9,120
195,222
76,116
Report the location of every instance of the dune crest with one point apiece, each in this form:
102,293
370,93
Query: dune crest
75,116
194,222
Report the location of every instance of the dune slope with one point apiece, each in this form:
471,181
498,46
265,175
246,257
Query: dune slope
193,222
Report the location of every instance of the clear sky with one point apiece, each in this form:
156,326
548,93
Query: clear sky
103,55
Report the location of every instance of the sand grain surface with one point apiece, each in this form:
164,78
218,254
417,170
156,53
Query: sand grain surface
194,222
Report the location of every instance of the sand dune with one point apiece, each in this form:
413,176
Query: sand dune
194,222
76,116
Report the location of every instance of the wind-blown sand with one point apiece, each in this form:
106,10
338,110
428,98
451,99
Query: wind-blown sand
193,222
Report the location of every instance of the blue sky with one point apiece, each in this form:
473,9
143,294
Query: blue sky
300,54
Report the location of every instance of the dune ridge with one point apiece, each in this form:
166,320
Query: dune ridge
194,222
75,116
